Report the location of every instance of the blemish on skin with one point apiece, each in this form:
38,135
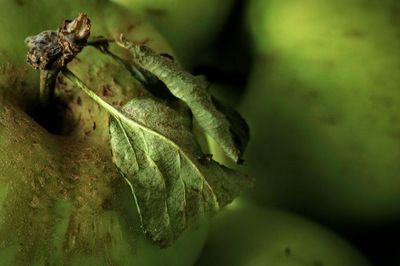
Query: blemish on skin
156,11
61,81
107,92
287,251
133,25
106,204
20,2
62,85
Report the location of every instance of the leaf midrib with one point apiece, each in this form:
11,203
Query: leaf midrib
120,116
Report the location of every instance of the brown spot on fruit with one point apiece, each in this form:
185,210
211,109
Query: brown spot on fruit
61,80
107,92
133,26
106,204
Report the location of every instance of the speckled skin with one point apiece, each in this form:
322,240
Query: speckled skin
62,201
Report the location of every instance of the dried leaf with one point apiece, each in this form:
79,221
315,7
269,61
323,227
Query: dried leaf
156,152
193,90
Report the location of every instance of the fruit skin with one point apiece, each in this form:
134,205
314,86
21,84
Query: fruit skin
189,26
62,201
69,205
247,235
324,108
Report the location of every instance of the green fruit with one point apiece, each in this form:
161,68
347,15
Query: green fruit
246,235
62,201
188,25
324,107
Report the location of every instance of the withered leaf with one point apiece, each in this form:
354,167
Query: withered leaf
156,152
193,90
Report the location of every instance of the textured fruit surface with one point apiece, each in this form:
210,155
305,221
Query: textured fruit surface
62,200
324,107
246,235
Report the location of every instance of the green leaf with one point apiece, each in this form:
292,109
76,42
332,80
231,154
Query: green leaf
173,183
193,90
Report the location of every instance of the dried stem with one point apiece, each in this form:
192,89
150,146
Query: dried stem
50,51
102,44
48,79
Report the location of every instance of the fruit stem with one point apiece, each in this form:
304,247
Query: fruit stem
48,79
51,50
102,44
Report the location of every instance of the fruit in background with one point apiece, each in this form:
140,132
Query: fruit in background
189,26
246,235
61,198
324,107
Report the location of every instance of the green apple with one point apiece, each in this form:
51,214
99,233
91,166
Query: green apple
324,107
62,201
189,26
246,235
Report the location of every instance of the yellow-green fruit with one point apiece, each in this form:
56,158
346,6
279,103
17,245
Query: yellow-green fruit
323,104
246,235
62,201
189,26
